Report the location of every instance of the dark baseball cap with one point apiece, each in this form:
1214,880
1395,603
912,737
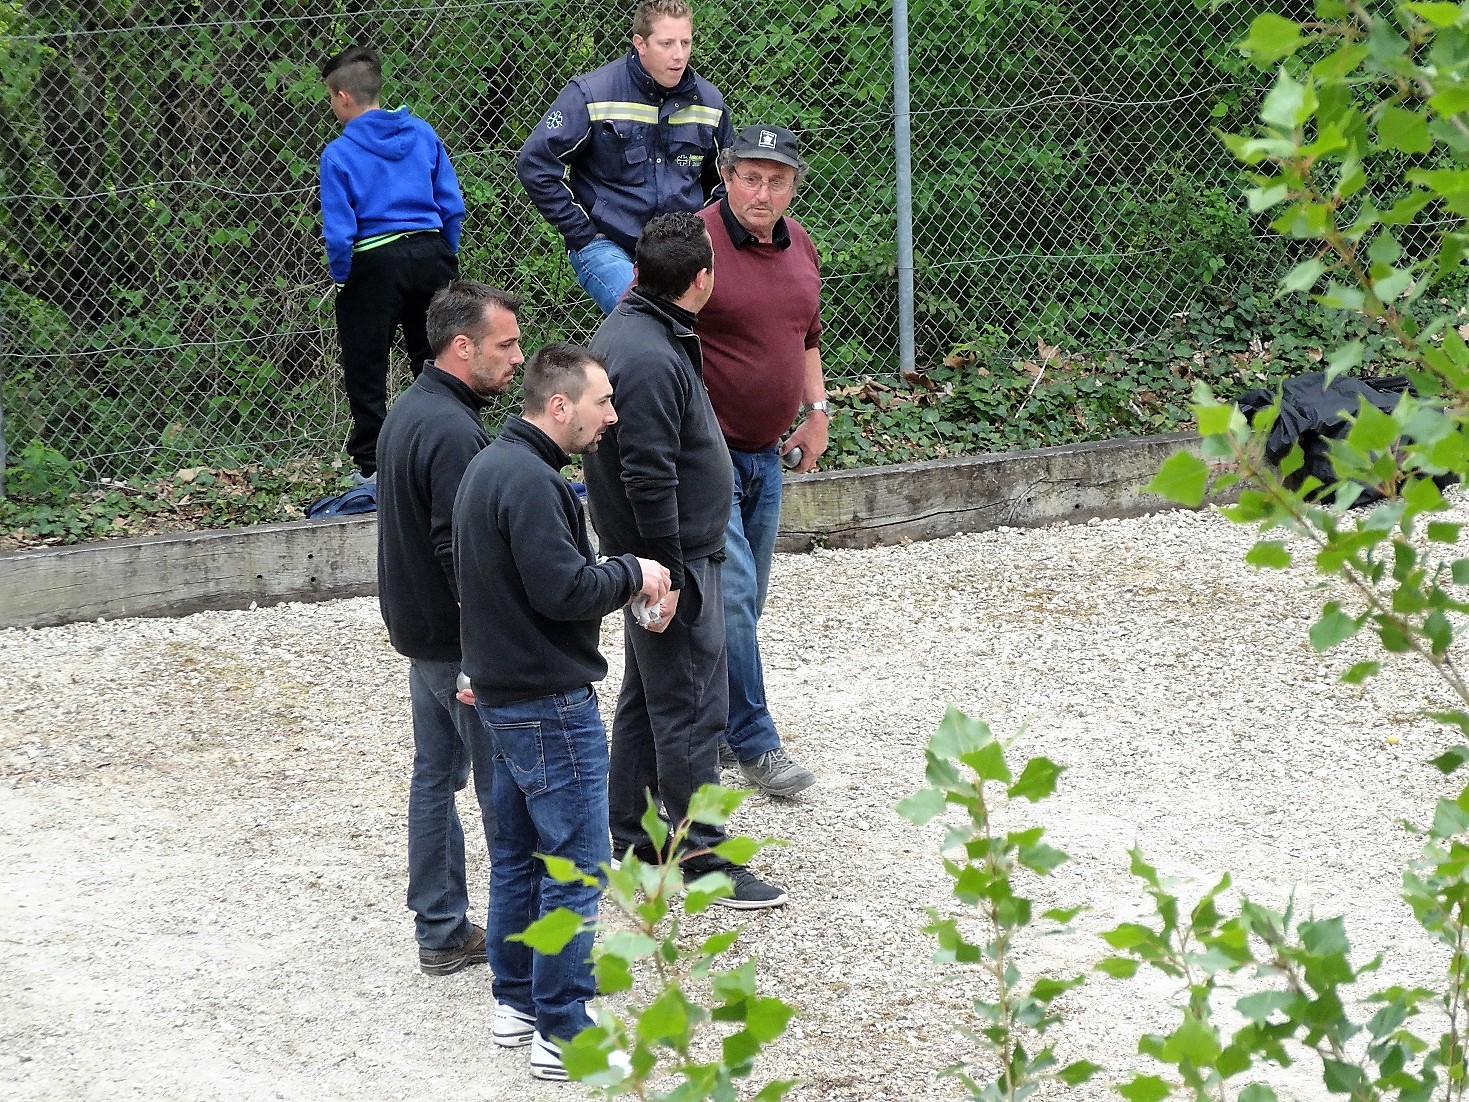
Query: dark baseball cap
766,142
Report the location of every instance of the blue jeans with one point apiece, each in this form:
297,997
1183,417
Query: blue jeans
604,272
551,797
749,547
447,740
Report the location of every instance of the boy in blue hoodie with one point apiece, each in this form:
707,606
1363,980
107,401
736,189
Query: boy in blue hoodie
390,212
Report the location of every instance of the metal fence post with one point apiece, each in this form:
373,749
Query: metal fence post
902,139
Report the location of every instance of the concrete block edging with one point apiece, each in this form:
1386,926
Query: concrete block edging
187,572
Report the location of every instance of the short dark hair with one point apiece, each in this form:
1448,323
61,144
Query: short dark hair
358,71
649,12
674,249
556,368
460,308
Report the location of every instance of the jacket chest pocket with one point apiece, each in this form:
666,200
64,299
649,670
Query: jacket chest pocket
622,151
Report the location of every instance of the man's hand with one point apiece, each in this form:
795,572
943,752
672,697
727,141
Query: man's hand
667,607
810,437
655,580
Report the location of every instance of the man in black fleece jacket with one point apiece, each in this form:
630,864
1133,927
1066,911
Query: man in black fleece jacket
427,441
660,487
533,598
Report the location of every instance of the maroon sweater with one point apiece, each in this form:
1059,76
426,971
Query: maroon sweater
755,330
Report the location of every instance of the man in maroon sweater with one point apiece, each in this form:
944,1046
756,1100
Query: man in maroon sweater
760,334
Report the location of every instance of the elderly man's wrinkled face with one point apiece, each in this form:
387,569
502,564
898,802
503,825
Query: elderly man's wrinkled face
759,192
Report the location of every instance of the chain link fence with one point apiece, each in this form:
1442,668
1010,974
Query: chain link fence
164,298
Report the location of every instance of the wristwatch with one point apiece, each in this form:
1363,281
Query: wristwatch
824,406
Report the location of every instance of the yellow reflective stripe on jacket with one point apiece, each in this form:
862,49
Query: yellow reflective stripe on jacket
621,111
708,116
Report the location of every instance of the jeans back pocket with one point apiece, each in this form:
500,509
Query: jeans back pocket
520,745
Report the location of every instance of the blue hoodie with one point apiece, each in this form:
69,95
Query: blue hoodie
387,173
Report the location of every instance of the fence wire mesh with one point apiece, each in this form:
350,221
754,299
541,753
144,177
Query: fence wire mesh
164,300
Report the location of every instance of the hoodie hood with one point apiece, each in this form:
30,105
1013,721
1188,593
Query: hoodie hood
388,134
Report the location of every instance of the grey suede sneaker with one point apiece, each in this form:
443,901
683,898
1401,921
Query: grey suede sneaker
775,773
445,962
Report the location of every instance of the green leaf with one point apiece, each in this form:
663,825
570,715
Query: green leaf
1451,759
665,1019
1372,430
767,1018
1144,1088
718,943
1303,276
922,807
1403,130
1359,672
739,849
1182,478
653,824
1257,1092
551,933
1269,554
1214,419
630,945
1078,1072
1195,1041
1340,1077
700,893
1127,935
566,872
1258,1008
1333,628
1041,858
1288,103
988,763
713,804
1271,38
1437,13
958,734
1037,780
1119,968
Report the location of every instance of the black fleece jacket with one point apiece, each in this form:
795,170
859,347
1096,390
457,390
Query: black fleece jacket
660,483
533,592
427,441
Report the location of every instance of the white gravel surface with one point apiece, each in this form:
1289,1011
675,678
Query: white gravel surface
203,818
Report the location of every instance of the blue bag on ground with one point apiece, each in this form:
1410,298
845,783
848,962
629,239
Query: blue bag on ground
359,499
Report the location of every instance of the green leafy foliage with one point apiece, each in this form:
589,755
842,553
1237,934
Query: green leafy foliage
655,1049
967,772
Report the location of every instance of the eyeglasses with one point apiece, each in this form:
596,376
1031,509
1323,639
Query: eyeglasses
779,186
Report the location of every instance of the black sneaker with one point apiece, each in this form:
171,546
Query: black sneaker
727,758
750,892
445,962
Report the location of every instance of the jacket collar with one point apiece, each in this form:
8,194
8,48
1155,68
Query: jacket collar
742,238
438,380
650,87
678,319
520,431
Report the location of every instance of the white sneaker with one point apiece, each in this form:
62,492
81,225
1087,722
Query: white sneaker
510,1028
545,1058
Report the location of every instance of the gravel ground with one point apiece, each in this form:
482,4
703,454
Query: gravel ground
204,817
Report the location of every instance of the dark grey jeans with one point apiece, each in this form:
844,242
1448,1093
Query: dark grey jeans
448,739
671,714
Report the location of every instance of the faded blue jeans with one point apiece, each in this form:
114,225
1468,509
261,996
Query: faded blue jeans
551,797
749,547
604,272
447,740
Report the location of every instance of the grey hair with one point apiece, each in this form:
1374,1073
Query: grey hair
728,158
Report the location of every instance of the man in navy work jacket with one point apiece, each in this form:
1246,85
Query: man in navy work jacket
636,138
427,441
390,212
660,487
534,596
